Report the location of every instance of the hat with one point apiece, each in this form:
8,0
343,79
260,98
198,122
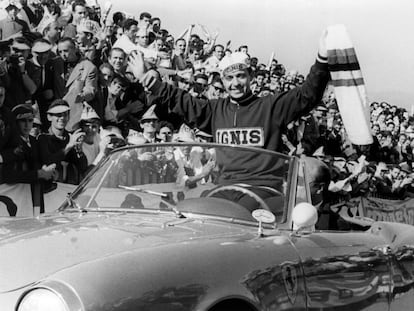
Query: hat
88,113
23,111
10,6
87,25
233,62
5,45
58,106
135,138
149,114
41,46
319,152
20,44
185,134
200,133
63,20
321,108
404,166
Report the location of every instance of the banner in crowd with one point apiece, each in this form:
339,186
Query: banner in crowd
16,200
401,211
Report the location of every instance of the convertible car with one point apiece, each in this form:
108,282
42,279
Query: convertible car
200,227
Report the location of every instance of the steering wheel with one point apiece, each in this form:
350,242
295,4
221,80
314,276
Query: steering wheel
241,189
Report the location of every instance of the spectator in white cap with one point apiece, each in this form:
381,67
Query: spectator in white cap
149,122
60,147
242,118
39,70
85,32
90,124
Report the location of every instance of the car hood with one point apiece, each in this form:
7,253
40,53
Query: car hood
32,249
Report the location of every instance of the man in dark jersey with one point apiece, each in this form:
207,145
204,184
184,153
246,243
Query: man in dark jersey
242,118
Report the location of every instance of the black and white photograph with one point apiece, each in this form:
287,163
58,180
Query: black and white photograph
221,155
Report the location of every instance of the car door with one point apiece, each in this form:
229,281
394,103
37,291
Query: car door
345,270
401,253
342,270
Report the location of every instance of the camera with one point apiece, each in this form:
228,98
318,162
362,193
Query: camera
14,59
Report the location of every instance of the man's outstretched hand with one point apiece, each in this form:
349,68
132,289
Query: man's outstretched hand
136,64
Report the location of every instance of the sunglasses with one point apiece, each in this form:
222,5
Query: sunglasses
200,84
182,80
218,88
59,115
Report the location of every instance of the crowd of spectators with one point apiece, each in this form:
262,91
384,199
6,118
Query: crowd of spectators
67,98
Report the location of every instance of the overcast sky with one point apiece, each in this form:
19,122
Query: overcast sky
381,30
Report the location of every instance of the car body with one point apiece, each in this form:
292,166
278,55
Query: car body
149,229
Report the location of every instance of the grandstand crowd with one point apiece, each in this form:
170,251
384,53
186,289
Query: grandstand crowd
67,97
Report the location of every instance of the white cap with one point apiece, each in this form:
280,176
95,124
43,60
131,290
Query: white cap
185,134
135,138
150,114
88,112
233,62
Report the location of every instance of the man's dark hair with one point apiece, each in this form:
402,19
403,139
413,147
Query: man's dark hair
179,39
216,46
164,123
155,19
67,39
260,73
78,3
122,81
118,18
116,49
128,23
106,65
144,15
201,76
242,47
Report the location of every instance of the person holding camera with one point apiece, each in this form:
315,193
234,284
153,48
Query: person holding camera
20,87
60,147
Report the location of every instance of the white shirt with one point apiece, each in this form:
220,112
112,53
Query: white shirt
128,46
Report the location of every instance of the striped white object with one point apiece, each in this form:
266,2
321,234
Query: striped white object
349,87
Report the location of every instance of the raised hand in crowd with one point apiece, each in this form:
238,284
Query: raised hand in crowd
75,139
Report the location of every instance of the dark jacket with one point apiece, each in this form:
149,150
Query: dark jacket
253,121
52,151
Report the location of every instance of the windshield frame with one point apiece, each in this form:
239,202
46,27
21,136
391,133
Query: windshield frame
290,182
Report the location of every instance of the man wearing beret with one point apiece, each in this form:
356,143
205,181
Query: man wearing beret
242,118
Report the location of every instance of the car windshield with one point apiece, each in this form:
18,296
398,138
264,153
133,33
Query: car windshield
201,179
